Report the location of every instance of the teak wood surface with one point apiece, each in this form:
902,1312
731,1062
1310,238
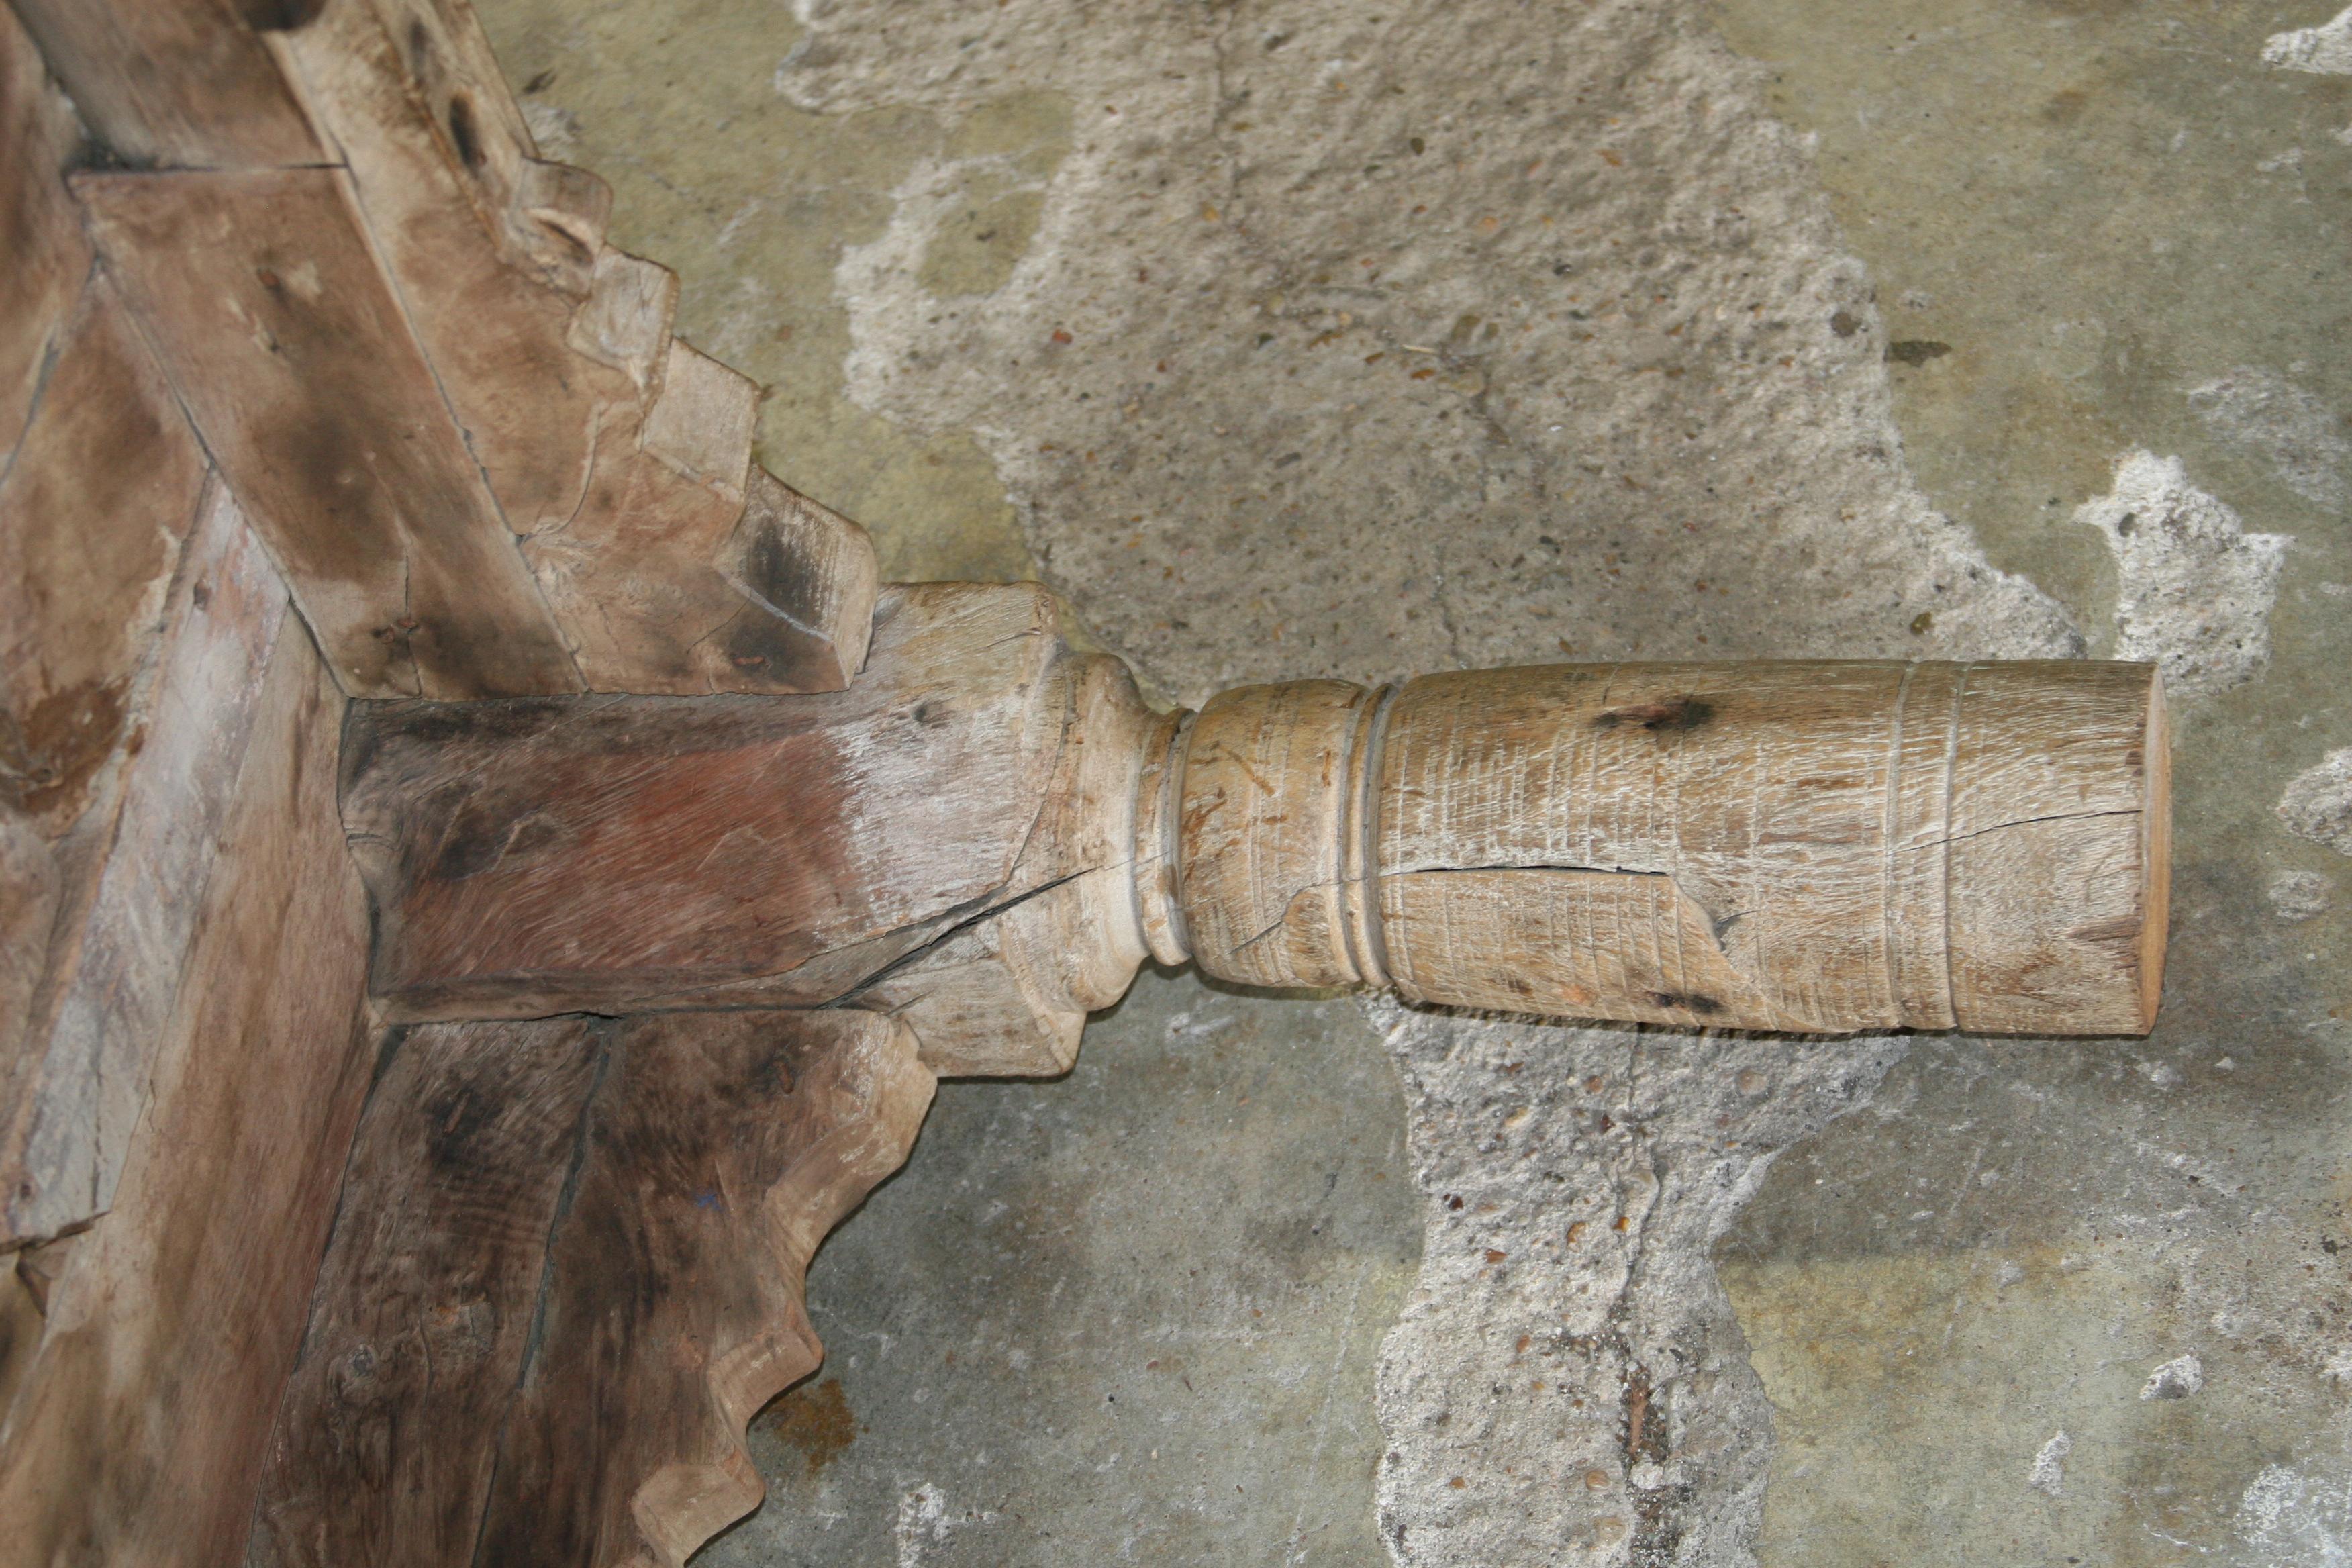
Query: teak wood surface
462,819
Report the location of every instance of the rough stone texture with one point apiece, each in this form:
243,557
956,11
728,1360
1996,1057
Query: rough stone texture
2194,590
2324,50
1098,291
1568,1382
2300,436
2317,804
1532,320
2299,895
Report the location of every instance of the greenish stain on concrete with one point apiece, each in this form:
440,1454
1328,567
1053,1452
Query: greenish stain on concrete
2065,209
975,253
750,201
1126,1316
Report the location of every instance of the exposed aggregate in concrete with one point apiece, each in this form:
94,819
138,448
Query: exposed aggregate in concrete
1568,1382
2195,590
1356,343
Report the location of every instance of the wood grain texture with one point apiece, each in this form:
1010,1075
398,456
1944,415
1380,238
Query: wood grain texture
568,1271
722,1151
289,351
808,581
135,883
490,317
181,84
44,256
31,881
1816,847
637,853
1264,825
619,455
390,1425
638,568
136,1437
93,512
445,60
1008,994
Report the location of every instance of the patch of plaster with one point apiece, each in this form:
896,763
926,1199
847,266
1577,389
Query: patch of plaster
1528,323
1569,1375
2317,804
2049,1473
922,1519
2300,436
2178,1378
2324,50
2287,1517
2300,895
2195,590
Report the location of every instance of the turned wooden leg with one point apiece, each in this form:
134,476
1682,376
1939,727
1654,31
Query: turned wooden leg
986,835
1814,847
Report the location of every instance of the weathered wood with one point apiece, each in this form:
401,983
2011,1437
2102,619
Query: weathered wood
446,60
808,581
178,83
489,318
138,1433
619,455
1801,847
133,883
44,256
1008,993
767,852
722,1152
390,1425
290,352
635,567
1806,846
93,512
1271,780
30,884
568,1271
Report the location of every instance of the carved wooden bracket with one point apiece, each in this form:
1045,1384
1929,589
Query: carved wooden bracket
987,834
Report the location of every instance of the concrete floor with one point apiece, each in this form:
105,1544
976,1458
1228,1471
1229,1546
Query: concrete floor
1363,337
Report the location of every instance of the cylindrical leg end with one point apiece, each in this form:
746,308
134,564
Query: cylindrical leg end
1821,847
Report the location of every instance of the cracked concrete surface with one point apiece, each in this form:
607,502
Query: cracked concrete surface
1363,338
1569,1381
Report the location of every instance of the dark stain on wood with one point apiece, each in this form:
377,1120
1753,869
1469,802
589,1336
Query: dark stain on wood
781,638
718,1151
93,511
281,16
691,857
1675,714
462,134
299,367
181,87
50,754
428,1296
1687,1001
622,854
